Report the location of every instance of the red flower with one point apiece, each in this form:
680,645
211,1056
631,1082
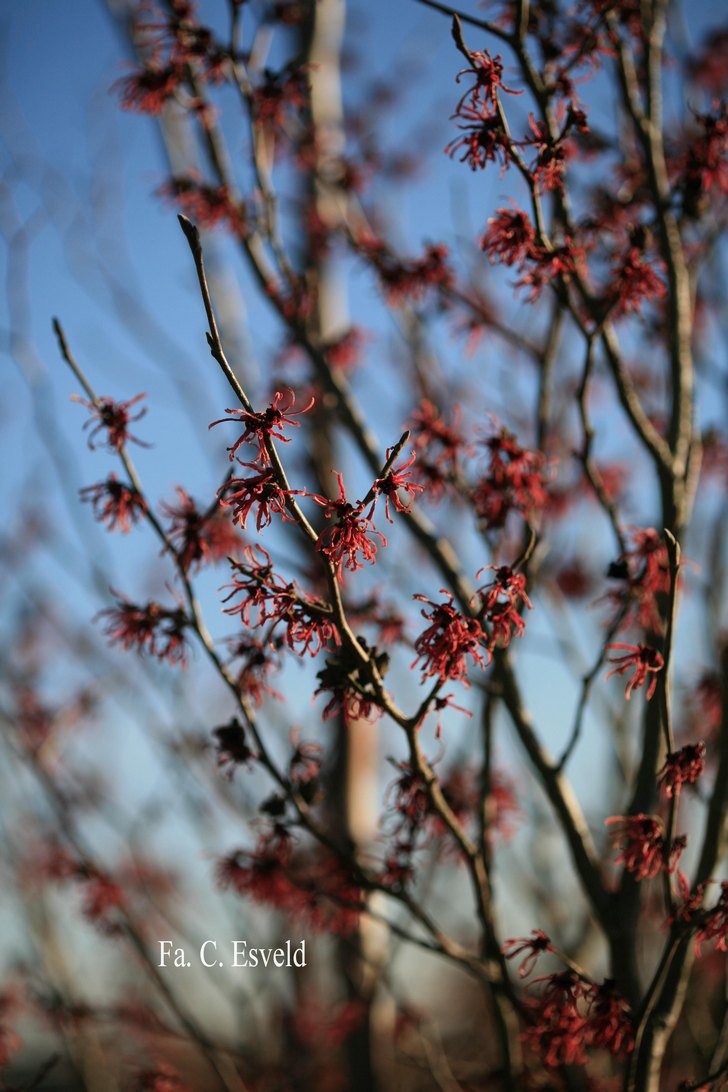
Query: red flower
515,481
260,586
149,90
609,1023
261,489
207,206
484,140
259,661
644,572
715,923
447,642
150,628
557,1029
261,428
682,767
404,280
547,264
633,281
316,890
550,163
198,537
102,897
115,418
345,698
267,597
160,1079
706,162
641,841
488,72
395,479
115,504
510,236
533,946
439,705
438,445
646,661
278,92
350,533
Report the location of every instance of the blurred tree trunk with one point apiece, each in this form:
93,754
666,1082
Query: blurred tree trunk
353,775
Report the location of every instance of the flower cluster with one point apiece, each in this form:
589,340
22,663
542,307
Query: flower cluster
396,479
573,1015
641,841
172,48
510,237
261,491
262,428
515,481
682,767
279,92
259,660
633,280
150,628
488,73
348,681
265,597
350,533
547,264
502,602
115,418
103,897
646,662
117,505
198,537
448,641
484,138
207,206
407,280
547,169
704,167
643,573
532,946
315,890
439,447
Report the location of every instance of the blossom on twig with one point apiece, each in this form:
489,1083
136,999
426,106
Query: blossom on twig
646,662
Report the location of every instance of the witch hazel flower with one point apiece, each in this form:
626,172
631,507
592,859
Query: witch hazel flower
261,492
350,534
488,73
149,628
644,575
115,418
483,140
207,206
196,536
532,946
502,601
510,236
682,767
396,479
514,481
261,428
446,644
646,662
117,505
641,840
634,281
